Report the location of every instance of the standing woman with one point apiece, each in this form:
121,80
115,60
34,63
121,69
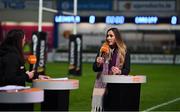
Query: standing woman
112,59
12,70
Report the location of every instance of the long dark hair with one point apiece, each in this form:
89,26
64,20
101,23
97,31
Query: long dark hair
14,39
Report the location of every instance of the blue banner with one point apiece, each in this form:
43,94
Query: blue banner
24,4
12,4
63,5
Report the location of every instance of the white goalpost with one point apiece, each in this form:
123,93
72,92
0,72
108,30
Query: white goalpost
41,9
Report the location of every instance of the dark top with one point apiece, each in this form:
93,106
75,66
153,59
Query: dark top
125,69
12,70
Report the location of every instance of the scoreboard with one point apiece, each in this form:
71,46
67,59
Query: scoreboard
117,20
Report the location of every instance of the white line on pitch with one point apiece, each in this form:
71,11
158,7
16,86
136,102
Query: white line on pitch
160,105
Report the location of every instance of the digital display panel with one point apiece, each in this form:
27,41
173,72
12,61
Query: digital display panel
117,20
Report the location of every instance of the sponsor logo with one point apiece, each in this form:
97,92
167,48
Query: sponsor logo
42,53
35,42
72,47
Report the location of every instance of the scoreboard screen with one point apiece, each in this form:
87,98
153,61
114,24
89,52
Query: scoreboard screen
117,20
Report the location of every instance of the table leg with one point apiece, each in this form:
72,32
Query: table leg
122,97
55,100
16,107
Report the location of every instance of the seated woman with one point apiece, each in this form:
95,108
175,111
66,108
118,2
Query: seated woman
12,68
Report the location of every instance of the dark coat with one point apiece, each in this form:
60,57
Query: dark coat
125,69
13,70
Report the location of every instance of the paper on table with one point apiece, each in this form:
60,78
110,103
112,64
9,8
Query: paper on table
64,78
13,87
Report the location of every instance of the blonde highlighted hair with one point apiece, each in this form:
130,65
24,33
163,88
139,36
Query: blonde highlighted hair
122,49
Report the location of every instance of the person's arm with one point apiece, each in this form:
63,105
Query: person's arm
96,67
126,66
12,74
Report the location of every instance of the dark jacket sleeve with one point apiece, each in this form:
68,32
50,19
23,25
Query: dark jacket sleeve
95,67
126,66
14,70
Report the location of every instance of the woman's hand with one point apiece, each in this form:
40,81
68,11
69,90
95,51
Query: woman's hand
43,77
100,61
116,70
30,74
